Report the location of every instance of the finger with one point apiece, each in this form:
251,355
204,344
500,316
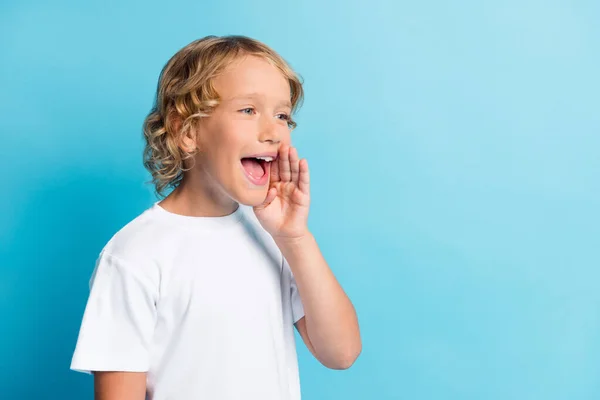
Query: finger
304,179
275,171
294,166
284,164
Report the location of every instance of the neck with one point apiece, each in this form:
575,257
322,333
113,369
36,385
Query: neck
195,201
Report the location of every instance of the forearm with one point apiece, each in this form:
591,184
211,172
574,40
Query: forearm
330,317
119,385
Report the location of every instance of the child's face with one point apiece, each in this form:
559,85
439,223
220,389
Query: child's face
251,119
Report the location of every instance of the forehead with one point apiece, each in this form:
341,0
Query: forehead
252,75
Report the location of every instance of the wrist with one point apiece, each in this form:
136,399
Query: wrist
294,241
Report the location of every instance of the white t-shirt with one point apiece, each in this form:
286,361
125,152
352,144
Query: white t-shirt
205,305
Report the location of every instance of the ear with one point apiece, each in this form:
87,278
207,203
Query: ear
188,141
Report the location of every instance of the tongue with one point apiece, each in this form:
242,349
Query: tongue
253,167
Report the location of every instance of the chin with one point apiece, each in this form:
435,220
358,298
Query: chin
248,194
251,197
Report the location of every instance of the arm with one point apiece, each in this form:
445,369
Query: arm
330,325
119,385
117,328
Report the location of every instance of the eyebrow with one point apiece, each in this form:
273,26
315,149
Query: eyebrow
252,96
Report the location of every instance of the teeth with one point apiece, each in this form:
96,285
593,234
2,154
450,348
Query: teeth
268,159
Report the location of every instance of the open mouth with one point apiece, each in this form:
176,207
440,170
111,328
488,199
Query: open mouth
257,168
254,167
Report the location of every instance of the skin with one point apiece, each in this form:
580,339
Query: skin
251,119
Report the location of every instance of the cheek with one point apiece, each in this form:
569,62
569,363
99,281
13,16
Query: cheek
223,139
285,135
237,133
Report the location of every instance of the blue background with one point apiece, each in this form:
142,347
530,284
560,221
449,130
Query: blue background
454,153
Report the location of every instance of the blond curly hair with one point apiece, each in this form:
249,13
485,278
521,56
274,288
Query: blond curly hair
185,93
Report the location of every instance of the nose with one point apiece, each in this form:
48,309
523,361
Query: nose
269,131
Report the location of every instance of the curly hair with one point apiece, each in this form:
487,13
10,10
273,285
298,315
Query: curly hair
185,93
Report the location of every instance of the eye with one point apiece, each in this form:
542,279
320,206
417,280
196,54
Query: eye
283,117
248,111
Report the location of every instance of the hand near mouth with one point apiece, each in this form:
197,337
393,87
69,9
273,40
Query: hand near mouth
284,213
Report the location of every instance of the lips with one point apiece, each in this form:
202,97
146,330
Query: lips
270,154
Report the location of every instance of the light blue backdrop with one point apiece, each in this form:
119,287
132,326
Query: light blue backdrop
454,149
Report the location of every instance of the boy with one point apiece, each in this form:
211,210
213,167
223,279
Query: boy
197,297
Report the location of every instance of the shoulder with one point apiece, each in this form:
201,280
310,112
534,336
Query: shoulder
134,236
134,246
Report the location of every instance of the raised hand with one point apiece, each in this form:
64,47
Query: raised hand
284,213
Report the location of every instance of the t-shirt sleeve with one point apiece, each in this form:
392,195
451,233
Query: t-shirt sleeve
296,301
118,321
